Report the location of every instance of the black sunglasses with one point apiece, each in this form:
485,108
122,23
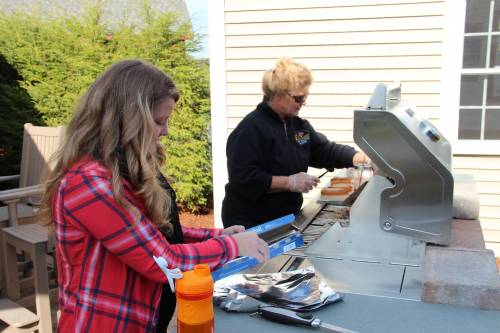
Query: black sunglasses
299,99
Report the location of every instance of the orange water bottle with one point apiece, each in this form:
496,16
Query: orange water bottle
195,312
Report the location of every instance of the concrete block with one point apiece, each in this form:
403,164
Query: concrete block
463,277
466,234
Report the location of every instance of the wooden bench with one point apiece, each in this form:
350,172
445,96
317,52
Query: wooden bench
3,284
33,239
17,317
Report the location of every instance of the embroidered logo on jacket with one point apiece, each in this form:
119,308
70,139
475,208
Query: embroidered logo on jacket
301,137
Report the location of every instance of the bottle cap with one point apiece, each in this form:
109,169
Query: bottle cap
195,282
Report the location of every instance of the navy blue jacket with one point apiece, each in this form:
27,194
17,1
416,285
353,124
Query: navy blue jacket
262,146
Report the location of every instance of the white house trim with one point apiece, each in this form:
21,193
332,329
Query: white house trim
216,39
453,44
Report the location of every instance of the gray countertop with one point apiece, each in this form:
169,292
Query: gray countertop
364,313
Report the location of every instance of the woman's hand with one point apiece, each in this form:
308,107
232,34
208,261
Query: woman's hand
234,229
302,182
360,158
249,244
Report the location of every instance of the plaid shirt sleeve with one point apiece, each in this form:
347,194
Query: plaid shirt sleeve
89,205
192,235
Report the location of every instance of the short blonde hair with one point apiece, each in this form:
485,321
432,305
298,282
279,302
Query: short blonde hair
285,78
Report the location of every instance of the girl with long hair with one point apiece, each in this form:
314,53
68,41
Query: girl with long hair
113,212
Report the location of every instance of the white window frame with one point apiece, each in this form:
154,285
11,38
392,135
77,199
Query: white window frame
453,47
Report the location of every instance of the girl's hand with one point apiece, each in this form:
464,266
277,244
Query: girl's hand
234,229
249,244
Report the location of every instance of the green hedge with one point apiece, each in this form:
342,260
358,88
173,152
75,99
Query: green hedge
16,108
58,58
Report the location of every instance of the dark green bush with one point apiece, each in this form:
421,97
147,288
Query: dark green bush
16,108
58,58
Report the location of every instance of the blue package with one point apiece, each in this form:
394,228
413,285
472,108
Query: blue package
274,224
239,264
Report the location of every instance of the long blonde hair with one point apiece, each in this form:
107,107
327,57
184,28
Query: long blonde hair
287,76
113,124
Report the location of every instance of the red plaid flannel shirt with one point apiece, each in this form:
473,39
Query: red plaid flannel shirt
108,280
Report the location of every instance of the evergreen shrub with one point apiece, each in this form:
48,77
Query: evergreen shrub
58,57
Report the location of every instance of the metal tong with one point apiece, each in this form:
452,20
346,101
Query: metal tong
290,317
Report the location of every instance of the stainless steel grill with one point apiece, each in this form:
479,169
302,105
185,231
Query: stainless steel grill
378,247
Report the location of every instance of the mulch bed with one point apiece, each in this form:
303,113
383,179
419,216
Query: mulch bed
197,220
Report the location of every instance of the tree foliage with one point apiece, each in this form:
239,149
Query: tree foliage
58,58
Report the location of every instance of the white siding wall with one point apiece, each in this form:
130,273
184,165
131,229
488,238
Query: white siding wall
486,171
350,46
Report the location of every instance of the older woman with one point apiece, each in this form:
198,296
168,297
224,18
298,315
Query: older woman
270,150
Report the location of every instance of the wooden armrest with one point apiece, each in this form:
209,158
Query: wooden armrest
18,193
11,177
15,315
